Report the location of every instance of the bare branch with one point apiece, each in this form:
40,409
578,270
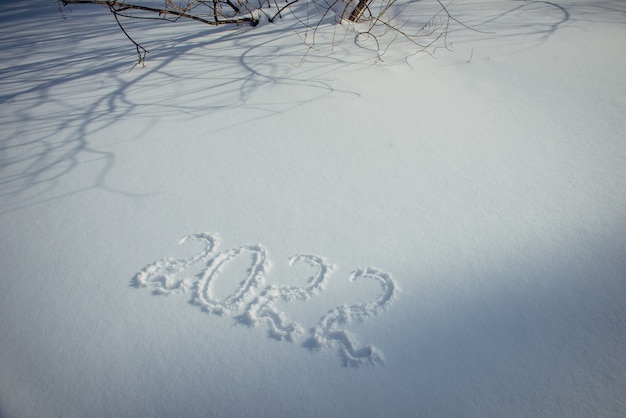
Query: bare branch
379,20
119,7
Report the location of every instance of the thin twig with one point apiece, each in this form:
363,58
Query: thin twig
120,7
142,57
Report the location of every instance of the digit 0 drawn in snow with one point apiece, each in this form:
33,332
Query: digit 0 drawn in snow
204,295
165,277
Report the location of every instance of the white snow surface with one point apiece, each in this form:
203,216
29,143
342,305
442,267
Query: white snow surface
249,227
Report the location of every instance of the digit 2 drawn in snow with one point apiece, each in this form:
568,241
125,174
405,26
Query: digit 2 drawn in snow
166,276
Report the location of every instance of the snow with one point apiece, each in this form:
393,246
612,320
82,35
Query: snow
405,235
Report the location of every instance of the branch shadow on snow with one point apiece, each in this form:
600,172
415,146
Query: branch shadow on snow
66,86
67,95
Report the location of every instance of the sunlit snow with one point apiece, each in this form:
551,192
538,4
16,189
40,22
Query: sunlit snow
249,226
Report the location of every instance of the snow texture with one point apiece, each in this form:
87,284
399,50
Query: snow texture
487,181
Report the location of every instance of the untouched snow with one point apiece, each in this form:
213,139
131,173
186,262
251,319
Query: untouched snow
454,227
